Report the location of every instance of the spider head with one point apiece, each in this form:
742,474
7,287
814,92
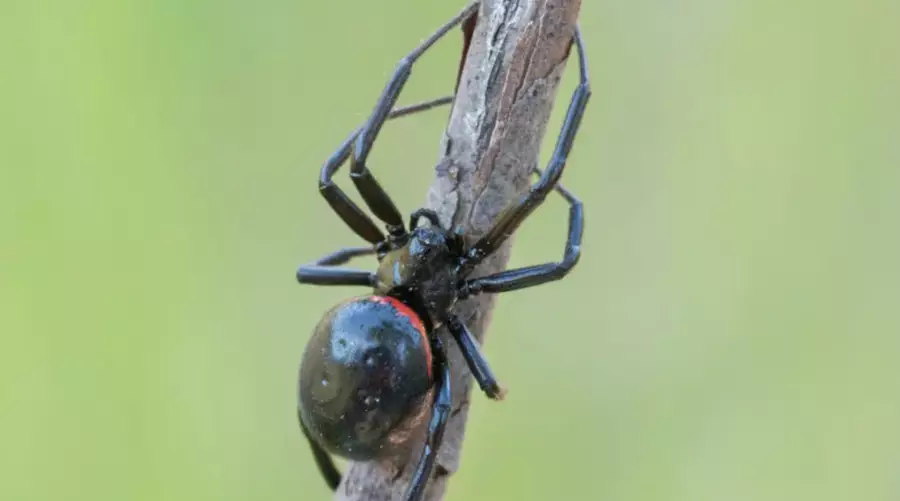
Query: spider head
427,246
427,254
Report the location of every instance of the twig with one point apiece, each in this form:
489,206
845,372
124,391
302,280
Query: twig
506,92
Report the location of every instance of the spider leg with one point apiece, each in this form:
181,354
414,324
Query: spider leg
530,276
510,220
481,371
378,201
323,461
440,412
346,209
324,271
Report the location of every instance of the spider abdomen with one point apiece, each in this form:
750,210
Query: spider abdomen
363,372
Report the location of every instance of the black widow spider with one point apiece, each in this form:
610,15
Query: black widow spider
372,359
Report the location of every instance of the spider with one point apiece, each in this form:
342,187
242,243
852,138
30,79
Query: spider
372,359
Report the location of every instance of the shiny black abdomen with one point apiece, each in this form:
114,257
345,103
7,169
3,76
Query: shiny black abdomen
364,371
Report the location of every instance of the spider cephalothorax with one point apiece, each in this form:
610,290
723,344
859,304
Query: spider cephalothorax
372,359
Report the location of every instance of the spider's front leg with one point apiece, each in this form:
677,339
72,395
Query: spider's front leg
530,276
378,201
513,218
349,212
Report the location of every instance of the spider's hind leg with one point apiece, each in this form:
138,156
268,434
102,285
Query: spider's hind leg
440,413
324,462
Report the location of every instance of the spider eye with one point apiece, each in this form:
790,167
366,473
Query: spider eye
421,247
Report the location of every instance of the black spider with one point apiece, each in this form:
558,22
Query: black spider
372,359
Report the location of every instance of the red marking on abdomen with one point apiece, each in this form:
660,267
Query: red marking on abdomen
413,317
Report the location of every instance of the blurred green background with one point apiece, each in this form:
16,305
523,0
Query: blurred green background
730,333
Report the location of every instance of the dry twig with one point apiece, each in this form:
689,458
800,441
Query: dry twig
506,92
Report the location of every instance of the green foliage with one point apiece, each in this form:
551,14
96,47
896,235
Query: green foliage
730,333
